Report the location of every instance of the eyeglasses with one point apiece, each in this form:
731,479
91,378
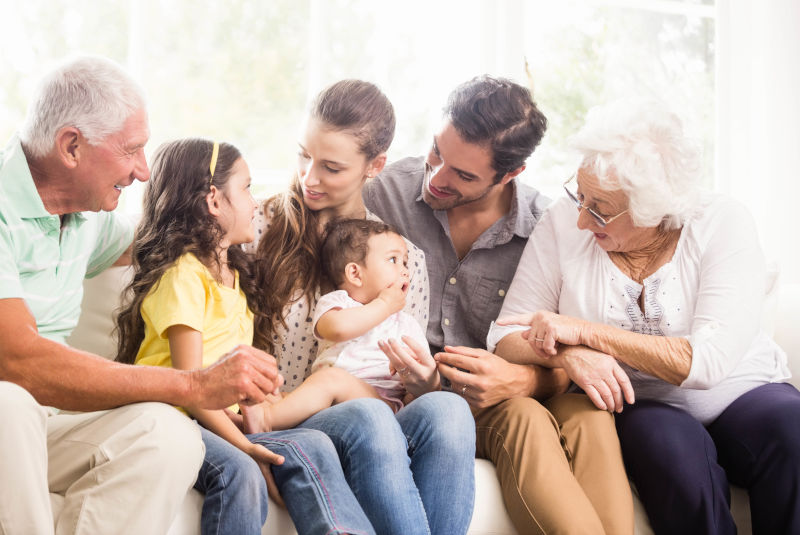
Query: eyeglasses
600,220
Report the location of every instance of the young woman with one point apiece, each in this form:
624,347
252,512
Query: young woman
418,476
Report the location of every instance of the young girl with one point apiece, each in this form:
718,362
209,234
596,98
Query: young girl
191,297
368,262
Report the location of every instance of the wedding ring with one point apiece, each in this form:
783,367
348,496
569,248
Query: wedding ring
464,390
403,371
539,339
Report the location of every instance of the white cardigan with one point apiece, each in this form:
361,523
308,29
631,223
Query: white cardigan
711,292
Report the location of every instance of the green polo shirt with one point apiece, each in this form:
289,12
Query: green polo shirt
43,262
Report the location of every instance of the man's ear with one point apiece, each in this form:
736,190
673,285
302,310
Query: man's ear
213,199
511,175
69,146
352,274
376,165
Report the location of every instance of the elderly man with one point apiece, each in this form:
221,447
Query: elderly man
124,466
558,460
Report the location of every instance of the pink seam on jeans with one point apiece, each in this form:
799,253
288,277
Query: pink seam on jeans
319,480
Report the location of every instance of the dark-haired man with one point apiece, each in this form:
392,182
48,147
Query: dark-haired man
558,461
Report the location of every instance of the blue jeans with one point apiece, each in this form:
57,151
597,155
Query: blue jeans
235,491
310,481
412,472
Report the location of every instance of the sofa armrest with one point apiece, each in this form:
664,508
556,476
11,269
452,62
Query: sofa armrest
787,329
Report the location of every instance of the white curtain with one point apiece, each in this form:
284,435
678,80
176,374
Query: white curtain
758,120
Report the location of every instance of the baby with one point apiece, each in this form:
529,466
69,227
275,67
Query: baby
368,262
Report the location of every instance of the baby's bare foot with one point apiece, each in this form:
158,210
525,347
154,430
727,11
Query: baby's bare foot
257,418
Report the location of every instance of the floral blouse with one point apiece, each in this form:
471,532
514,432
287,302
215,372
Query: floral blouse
295,345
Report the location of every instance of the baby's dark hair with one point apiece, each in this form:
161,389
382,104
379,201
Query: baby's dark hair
346,241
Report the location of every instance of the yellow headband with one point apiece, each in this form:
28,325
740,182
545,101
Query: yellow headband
213,165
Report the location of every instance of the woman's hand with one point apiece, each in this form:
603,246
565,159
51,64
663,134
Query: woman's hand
547,329
266,458
413,363
599,375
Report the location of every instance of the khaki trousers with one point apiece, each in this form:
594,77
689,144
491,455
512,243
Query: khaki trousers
125,470
559,465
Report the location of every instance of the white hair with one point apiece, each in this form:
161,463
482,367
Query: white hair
638,146
90,93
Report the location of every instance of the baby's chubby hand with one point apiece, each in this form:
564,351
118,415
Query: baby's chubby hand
394,296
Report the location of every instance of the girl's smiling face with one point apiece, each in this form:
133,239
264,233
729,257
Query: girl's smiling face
240,207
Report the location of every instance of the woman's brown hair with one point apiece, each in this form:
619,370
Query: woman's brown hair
287,263
176,221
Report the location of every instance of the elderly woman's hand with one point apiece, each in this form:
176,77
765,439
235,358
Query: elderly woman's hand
547,329
599,375
413,363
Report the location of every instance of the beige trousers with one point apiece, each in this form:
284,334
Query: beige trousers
125,470
559,465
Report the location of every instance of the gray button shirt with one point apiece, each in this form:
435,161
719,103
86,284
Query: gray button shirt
466,294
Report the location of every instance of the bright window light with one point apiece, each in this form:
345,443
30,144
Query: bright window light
243,71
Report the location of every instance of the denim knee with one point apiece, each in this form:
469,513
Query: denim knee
445,416
228,469
239,475
307,443
312,483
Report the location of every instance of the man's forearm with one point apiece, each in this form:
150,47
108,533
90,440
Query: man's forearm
547,382
66,378
539,376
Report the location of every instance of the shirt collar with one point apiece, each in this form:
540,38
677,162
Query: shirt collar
519,220
17,183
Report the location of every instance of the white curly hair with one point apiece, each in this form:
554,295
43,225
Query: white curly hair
639,147
91,93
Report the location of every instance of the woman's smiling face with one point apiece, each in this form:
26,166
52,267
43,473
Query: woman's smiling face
332,169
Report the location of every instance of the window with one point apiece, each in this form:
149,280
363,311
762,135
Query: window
243,71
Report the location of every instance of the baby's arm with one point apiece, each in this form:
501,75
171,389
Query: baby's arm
341,324
186,348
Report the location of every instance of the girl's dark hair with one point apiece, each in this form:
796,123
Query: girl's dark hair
288,253
346,240
176,221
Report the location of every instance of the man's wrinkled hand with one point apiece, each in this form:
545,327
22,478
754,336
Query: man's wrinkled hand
245,375
482,378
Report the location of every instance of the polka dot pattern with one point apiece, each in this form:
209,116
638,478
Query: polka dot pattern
296,346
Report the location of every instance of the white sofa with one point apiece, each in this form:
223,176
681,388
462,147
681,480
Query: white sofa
490,516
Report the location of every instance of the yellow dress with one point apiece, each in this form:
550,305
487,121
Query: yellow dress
187,294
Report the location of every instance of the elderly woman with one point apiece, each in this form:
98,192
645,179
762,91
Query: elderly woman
654,289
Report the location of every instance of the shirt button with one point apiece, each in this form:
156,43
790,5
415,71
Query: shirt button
446,321
501,293
452,280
